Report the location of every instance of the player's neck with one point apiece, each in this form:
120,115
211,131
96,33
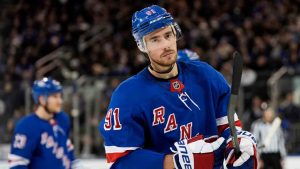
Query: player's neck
168,75
41,113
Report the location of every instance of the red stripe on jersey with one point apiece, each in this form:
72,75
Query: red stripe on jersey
112,157
223,127
196,138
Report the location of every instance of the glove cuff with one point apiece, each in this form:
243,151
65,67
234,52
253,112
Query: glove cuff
184,156
244,134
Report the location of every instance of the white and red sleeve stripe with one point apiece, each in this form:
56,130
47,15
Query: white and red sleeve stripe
222,123
15,160
113,153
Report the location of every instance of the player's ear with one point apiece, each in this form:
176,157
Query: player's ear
42,100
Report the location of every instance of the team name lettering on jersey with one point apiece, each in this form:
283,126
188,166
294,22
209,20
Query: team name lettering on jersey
185,131
171,123
158,114
48,142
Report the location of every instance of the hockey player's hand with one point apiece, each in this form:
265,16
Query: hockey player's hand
248,158
195,153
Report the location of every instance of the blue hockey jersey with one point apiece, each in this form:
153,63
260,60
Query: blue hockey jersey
41,144
147,115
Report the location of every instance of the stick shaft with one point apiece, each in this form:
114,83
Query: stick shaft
236,81
230,116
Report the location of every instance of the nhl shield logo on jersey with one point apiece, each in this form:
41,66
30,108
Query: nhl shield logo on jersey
176,86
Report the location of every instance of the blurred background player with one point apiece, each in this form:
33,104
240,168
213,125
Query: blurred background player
171,104
272,156
187,55
41,140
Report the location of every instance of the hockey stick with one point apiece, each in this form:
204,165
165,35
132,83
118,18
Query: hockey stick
236,81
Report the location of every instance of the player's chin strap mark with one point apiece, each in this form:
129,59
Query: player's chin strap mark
162,72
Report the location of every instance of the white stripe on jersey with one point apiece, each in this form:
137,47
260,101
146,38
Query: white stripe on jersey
15,160
223,120
115,149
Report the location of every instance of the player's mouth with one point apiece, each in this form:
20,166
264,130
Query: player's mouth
167,53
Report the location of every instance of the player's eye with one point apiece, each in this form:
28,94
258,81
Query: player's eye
154,40
169,35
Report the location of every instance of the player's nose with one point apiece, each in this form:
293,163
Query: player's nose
166,45
60,100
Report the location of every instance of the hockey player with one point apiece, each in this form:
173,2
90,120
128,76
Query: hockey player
40,139
171,114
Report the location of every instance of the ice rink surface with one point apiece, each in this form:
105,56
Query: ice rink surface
292,162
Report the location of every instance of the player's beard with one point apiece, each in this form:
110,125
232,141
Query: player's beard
168,56
166,60
53,109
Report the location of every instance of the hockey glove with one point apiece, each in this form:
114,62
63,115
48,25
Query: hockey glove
248,157
195,153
